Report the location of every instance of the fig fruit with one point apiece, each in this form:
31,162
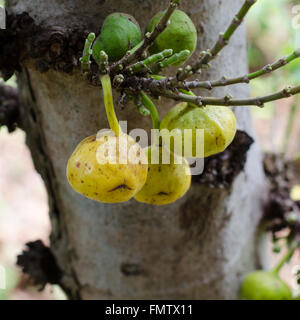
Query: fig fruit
264,285
107,168
218,123
167,181
179,35
119,33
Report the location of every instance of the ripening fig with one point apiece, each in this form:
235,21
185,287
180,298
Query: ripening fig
218,124
169,177
264,285
120,32
107,168
179,35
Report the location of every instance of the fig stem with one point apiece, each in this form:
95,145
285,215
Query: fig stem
285,258
145,64
156,77
87,52
109,104
131,51
175,59
149,105
147,102
102,62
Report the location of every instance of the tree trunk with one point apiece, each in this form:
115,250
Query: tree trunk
197,248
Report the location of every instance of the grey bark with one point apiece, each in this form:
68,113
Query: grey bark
196,248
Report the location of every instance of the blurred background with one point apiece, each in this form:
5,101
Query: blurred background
272,33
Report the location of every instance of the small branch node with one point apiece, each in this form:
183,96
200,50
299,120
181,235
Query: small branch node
118,80
246,79
228,97
287,91
206,66
268,68
283,61
198,101
236,21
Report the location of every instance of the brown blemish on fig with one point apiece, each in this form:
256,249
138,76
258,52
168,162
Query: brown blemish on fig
121,186
164,193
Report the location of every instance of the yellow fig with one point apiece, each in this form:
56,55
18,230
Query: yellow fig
218,124
107,168
169,177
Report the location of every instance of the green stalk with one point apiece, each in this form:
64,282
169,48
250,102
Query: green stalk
136,47
285,258
278,64
109,104
156,77
147,102
154,115
87,51
175,59
141,65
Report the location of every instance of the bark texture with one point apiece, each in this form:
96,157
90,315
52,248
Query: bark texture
196,248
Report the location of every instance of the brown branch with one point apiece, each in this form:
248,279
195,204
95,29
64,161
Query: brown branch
228,101
243,79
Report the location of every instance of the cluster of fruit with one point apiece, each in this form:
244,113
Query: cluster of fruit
112,167
90,169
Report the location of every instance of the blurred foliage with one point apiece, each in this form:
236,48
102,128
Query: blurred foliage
11,280
270,36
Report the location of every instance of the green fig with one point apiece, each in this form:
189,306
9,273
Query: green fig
179,35
119,33
264,285
218,123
